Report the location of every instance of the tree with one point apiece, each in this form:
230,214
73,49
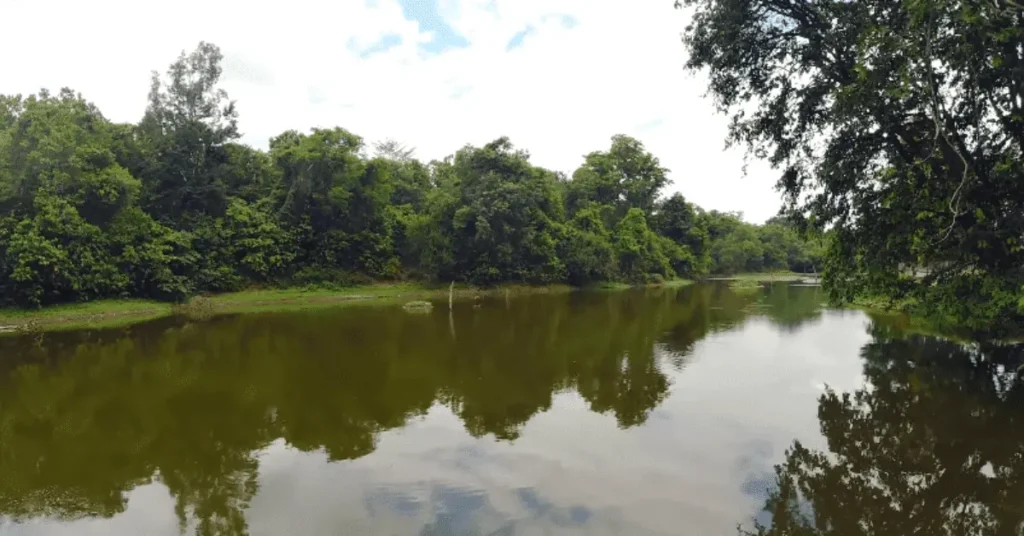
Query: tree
586,249
337,200
71,230
638,249
175,205
739,251
898,124
410,177
626,176
187,124
393,150
677,220
507,215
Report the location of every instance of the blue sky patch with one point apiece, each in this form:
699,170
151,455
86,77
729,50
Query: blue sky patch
566,20
428,15
518,38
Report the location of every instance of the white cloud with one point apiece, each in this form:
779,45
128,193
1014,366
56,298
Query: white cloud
562,93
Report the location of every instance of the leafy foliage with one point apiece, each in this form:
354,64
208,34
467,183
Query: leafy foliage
737,246
174,205
897,124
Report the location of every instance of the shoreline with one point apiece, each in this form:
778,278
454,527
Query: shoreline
765,277
121,313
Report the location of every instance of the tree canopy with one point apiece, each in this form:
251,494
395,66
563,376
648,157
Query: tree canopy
897,124
174,205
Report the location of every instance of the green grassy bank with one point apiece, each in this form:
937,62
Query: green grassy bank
766,277
117,313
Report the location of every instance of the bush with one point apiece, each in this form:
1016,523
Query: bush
655,279
196,308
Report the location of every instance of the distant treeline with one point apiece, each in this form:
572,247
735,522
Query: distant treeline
174,206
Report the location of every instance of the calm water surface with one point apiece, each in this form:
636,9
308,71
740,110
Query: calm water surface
635,413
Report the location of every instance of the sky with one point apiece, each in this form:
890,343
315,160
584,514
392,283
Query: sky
558,77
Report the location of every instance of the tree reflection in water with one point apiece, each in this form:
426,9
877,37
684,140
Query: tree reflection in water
86,417
933,444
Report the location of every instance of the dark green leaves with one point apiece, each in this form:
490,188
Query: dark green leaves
895,123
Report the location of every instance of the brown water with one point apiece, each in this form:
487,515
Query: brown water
634,413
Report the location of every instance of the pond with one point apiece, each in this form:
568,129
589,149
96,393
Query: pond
656,411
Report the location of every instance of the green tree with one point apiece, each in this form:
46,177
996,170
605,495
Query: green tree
638,249
506,217
899,125
72,231
626,176
175,205
677,220
586,249
186,127
735,245
337,201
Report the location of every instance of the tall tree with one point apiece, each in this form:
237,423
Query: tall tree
187,124
899,124
336,199
393,150
626,176
677,220
506,216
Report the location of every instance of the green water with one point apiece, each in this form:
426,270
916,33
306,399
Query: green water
642,412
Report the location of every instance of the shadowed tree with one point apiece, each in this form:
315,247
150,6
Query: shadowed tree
899,124
187,124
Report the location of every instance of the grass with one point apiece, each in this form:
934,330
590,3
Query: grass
745,286
83,309
106,313
676,283
119,313
196,308
766,277
616,286
609,285
259,296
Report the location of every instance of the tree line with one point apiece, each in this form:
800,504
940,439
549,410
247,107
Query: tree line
175,205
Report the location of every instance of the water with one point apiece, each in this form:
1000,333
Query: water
635,413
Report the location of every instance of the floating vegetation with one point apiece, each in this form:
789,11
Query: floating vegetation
418,307
741,286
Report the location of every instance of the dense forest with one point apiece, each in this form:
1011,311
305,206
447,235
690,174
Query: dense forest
175,205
